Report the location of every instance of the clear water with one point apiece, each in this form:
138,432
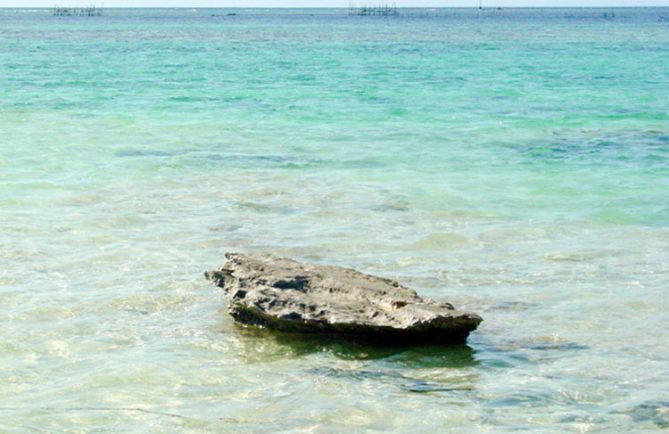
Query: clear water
514,162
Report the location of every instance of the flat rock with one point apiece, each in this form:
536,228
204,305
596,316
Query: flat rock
286,295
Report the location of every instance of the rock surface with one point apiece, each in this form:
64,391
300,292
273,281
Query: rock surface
287,295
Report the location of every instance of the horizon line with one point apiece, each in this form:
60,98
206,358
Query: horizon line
340,7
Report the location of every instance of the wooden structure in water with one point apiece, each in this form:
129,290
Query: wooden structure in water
385,10
88,11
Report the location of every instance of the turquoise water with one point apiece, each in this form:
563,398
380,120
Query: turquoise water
514,162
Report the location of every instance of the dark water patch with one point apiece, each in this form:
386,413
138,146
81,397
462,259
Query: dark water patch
585,419
302,78
253,161
531,399
541,353
420,386
334,164
151,153
510,306
392,377
623,148
391,207
241,159
504,354
136,310
186,99
209,159
536,396
655,412
568,346
226,228
497,363
392,204
263,208
545,343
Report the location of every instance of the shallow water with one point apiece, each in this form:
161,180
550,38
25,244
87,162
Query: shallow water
513,162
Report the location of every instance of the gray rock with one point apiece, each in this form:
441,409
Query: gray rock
287,295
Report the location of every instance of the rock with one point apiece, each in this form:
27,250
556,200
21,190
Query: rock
287,295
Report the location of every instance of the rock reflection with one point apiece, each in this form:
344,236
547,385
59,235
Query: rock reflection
412,357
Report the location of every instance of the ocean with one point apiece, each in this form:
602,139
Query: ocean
514,162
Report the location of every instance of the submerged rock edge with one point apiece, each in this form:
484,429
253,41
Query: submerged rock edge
290,296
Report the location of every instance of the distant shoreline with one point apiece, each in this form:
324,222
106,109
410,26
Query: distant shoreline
346,7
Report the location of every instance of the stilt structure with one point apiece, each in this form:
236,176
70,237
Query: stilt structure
87,11
384,10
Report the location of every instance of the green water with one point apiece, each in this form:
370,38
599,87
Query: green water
514,162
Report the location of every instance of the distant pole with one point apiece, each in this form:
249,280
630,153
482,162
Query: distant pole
480,4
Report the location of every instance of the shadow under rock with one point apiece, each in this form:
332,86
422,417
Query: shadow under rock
408,356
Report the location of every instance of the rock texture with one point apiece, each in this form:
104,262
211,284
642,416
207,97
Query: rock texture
287,295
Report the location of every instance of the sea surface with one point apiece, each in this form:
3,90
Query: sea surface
514,162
